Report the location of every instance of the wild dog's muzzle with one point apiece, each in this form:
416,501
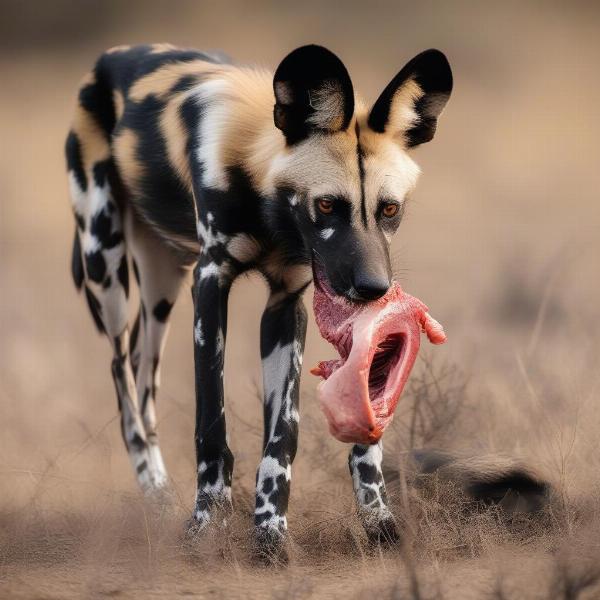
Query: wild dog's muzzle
378,344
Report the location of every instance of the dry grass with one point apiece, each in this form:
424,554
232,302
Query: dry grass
120,545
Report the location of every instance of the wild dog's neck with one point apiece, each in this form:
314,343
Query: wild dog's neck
237,128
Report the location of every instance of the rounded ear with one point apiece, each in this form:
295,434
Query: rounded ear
410,105
313,92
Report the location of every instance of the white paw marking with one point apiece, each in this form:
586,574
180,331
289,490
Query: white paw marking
364,490
270,467
218,489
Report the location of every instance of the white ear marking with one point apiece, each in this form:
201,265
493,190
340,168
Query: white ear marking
402,112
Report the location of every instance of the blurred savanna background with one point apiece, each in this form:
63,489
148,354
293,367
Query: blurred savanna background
501,240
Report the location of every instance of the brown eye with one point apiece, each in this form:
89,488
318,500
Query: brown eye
390,209
325,206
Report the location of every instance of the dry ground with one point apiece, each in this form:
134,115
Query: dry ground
501,241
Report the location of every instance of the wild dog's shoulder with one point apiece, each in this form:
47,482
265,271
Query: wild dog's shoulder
145,88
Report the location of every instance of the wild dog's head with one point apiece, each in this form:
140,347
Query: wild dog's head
345,173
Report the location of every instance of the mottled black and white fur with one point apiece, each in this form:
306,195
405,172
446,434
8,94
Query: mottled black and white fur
182,160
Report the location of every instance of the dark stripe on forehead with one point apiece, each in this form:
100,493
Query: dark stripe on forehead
361,173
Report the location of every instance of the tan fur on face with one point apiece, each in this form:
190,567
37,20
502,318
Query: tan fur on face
328,165
390,173
320,165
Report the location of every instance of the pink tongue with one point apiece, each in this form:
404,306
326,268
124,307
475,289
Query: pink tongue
378,344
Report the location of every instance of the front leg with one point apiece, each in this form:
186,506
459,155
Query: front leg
369,488
283,329
212,282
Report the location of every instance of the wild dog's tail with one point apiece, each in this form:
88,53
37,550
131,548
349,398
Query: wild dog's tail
490,479
98,259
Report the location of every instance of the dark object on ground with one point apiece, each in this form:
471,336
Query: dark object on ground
490,479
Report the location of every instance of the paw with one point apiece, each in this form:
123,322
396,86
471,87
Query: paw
215,520
212,507
270,546
213,514
194,528
383,532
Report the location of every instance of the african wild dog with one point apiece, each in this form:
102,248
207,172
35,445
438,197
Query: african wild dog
183,160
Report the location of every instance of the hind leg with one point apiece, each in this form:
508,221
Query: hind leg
100,263
99,253
159,276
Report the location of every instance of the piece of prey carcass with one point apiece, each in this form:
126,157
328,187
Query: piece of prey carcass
378,343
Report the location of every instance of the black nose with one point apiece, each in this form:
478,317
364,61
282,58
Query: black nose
370,287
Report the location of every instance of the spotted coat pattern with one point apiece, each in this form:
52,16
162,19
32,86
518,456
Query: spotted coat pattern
180,162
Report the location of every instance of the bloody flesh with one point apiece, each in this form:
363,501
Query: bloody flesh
378,344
